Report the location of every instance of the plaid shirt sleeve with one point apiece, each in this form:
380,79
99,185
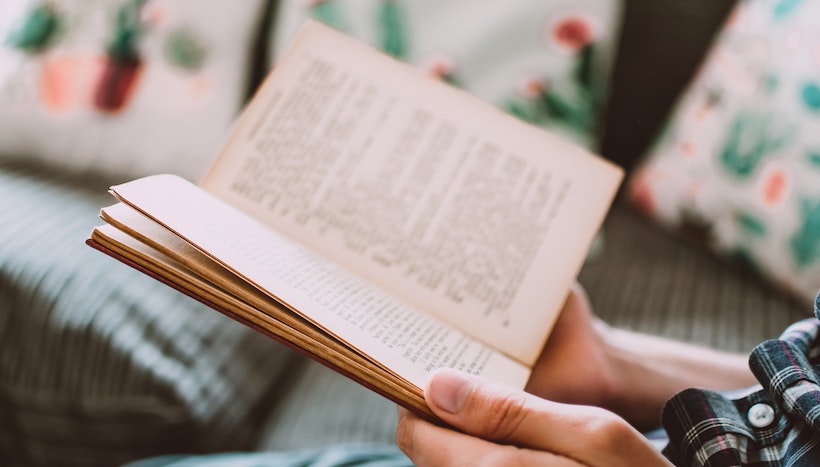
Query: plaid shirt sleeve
778,424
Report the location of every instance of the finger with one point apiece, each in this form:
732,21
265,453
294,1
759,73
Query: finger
427,444
505,415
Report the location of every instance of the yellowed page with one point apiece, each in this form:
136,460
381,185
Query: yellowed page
443,200
394,334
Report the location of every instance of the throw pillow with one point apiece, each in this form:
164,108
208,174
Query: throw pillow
544,61
739,163
125,87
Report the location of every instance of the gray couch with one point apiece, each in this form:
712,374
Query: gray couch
100,365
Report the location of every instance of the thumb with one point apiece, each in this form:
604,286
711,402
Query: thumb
497,413
480,408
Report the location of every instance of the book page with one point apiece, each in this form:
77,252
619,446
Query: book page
443,200
397,336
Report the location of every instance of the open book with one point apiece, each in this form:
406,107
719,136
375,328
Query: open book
376,219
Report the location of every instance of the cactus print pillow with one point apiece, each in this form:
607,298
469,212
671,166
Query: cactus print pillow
739,163
544,61
123,87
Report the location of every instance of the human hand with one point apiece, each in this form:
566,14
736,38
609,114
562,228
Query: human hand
588,362
504,426
575,366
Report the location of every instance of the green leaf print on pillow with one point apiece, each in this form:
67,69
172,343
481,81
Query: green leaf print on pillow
811,96
805,244
328,12
749,142
185,49
392,31
751,224
786,7
37,31
574,104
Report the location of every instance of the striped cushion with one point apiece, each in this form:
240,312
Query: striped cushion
100,364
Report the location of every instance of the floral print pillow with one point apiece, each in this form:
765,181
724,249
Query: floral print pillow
739,162
122,87
544,61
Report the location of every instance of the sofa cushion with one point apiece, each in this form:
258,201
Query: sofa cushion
100,364
739,164
125,88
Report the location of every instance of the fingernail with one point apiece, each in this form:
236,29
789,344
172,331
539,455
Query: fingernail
449,390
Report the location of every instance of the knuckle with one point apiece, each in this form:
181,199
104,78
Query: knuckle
505,415
609,431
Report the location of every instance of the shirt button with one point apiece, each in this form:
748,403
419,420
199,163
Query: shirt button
760,415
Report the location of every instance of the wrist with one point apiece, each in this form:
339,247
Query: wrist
620,392
648,370
632,391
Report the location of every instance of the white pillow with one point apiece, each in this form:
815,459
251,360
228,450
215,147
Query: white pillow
168,111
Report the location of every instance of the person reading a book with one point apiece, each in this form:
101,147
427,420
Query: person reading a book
595,387
387,224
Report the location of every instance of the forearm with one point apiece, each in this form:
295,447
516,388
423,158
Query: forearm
648,370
